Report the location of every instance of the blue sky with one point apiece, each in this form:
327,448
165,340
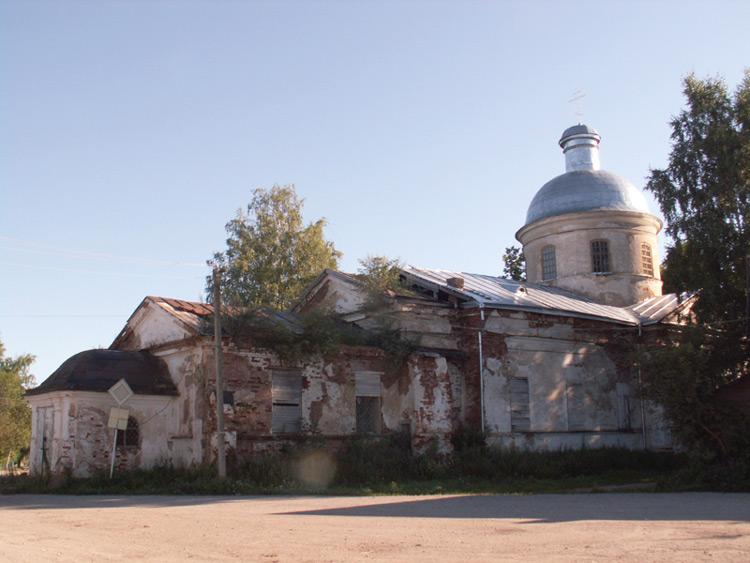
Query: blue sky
131,132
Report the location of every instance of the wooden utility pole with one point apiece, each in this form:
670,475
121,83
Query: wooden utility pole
222,458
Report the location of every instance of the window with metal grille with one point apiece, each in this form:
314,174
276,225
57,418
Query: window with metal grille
367,393
287,401
519,404
646,259
600,256
575,397
130,437
549,265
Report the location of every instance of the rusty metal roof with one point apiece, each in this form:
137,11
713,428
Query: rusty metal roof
195,315
192,314
494,292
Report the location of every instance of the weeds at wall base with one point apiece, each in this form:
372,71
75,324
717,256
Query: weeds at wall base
386,467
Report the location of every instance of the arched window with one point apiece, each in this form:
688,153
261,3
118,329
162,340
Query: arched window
549,264
600,257
647,262
130,437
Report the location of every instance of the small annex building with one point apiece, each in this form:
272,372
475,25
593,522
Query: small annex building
540,364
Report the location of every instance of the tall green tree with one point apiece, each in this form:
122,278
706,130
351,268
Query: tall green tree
15,414
704,194
271,254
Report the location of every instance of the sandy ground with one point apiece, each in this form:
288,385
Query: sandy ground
614,527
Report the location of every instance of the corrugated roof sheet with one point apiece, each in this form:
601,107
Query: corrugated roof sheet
655,309
495,292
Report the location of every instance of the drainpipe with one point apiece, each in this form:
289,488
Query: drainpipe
640,393
221,452
481,363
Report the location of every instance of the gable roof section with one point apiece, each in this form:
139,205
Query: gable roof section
98,370
177,320
324,290
193,319
500,293
190,314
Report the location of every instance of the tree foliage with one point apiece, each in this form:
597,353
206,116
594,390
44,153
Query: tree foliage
704,194
379,273
271,254
380,277
15,414
683,377
515,264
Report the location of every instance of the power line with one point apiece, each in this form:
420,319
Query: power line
99,273
49,249
63,316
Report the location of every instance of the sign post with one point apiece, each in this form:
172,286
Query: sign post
118,417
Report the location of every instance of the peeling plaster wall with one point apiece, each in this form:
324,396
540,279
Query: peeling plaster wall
328,396
433,402
432,325
425,393
185,438
553,353
82,442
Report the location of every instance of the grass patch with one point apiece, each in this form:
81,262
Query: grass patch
386,467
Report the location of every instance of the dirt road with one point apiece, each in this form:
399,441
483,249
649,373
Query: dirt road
612,527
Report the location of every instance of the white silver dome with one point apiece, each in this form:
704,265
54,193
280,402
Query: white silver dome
584,187
585,190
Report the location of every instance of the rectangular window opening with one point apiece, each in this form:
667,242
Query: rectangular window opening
367,392
287,401
520,420
575,397
624,421
600,257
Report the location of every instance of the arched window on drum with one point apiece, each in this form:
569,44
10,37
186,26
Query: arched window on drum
647,260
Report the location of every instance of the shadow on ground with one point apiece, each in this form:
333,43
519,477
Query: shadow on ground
524,509
532,509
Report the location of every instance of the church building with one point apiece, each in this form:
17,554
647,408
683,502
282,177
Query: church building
540,364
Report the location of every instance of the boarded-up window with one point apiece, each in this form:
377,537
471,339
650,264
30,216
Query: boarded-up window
576,417
623,407
519,404
367,392
287,401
